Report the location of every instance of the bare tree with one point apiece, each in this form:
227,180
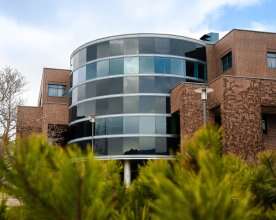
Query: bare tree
12,83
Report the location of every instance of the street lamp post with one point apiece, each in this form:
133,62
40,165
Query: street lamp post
92,120
204,94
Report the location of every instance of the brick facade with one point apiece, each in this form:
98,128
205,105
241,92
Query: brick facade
51,112
242,95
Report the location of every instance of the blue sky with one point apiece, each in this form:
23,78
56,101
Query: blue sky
43,33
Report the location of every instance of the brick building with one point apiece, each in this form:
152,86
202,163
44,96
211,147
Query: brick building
50,117
242,72
240,68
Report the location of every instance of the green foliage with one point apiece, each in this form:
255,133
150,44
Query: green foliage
200,183
55,183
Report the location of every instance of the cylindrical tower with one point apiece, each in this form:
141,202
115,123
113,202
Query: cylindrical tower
123,83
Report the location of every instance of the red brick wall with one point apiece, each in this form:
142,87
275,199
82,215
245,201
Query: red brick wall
28,120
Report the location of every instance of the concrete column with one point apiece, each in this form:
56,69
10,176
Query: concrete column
127,173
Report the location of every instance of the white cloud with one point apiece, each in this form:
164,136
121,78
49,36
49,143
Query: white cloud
30,48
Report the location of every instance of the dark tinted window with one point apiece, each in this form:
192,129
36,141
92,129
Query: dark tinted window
115,146
91,53
146,45
226,61
109,86
162,45
177,47
90,89
82,129
147,84
190,69
100,146
109,106
201,71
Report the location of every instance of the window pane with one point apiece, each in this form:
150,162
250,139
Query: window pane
131,125
147,104
177,47
271,60
116,47
131,65
81,92
101,107
201,71
190,69
131,46
226,61
91,71
147,84
162,65
109,86
100,147
75,77
90,89
82,74
57,90
146,65
177,66
131,84
115,146
146,45
86,109
161,145
103,50
115,105
114,125
131,104
147,144
160,125
91,53
116,66
74,95
147,125
130,145
162,45
102,68
100,126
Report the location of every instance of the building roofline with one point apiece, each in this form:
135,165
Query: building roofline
242,30
132,35
51,68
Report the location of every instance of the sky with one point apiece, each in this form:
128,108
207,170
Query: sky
43,33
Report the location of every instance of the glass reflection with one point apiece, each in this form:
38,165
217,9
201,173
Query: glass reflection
131,65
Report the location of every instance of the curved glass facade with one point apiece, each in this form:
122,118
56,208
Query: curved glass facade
125,83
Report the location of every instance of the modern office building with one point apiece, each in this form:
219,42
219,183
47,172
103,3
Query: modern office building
133,96
124,83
